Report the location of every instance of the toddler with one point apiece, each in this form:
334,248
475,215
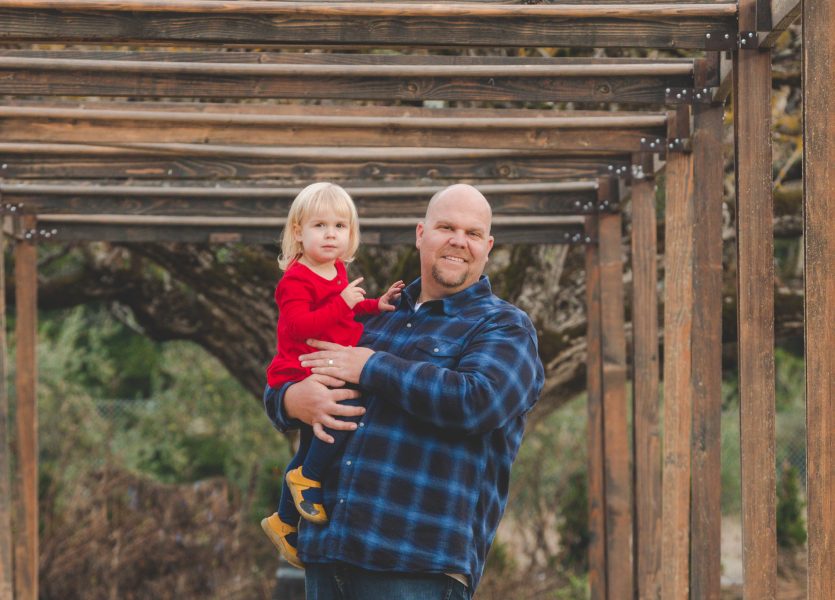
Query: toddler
315,301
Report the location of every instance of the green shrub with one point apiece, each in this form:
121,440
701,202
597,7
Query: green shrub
791,531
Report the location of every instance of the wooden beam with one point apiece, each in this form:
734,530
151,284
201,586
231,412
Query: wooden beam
372,200
306,126
26,288
6,548
819,283
617,470
595,437
679,222
312,24
646,432
783,14
755,312
201,161
706,354
292,75
266,230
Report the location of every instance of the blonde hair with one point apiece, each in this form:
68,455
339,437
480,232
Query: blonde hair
318,198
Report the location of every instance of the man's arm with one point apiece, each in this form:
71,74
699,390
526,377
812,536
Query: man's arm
498,378
312,401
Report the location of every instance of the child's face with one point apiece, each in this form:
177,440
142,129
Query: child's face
324,238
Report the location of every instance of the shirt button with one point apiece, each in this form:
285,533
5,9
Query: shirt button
436,350
348,462
362,424
342,500
409,325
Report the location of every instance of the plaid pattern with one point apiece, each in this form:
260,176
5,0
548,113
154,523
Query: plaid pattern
423,481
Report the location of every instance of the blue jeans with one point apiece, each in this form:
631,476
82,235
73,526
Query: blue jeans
346,582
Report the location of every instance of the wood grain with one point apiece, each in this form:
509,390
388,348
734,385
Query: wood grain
6,548
819,239
646,432
595,436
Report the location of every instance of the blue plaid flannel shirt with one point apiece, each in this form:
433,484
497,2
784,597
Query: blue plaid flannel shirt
423,481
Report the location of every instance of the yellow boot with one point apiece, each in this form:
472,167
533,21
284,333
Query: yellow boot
277,530
298,484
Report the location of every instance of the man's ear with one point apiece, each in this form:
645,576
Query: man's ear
418,234
490,241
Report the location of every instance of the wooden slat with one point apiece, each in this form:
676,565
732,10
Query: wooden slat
266,234
646,432
26,286
706,344
372,201
6,549
595,436
314,24
679,221
526,80
299,165
222,126
819,240
617,471
755,313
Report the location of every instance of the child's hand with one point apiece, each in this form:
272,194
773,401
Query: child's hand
387,300
353,294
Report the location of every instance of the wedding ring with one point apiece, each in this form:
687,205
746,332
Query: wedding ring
330,362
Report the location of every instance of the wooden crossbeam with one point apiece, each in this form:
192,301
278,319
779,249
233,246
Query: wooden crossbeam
202,161
559,198
311,24
264,230
337,126
782,13
342,76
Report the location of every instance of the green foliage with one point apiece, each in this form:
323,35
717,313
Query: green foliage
574,523
577,588
499,563
107,395
791,531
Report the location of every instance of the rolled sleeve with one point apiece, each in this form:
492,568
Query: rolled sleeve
498,378
274,407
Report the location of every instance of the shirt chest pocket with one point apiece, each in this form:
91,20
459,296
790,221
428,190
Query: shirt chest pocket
439,351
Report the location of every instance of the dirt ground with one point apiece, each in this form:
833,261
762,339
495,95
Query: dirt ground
791,566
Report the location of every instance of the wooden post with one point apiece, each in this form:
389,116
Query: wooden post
6,572
819,265
755,312
678,399
594,375
646,435
26,548
617,473
706,344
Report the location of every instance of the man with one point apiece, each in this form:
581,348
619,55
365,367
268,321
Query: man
448,379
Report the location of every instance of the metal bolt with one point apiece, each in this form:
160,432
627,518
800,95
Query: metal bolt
54,232
652,145
704,90
743,42
668,89
577,203
684,92
727,36
657,140
698,96
678,96
678,140
170,171
750,34
672,146
588,240
707,35
5,166
611,167
566,236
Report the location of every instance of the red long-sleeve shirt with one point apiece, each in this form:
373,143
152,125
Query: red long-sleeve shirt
310,307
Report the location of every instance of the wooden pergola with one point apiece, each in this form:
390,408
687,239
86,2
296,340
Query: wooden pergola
219,172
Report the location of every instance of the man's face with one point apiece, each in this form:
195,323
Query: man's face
454,242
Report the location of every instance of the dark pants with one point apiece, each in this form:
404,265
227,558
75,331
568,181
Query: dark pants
345,582
315,456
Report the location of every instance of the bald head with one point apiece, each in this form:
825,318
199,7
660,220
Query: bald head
454,241
464,195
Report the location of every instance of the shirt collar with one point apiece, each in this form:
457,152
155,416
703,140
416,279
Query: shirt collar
451,304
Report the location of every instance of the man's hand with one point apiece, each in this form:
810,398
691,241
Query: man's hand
313,402
353,294
343,362
387,300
